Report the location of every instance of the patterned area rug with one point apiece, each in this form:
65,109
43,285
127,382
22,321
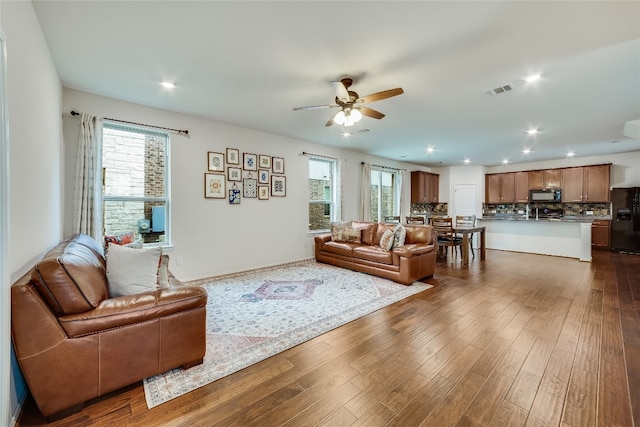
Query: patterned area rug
252,316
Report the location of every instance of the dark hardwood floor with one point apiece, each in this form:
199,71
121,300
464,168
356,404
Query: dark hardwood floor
514,340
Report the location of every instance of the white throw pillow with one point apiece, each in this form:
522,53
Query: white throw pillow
399,235
132,271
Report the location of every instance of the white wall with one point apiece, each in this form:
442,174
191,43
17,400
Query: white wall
33,101
212,237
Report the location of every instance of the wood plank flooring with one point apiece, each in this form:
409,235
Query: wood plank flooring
515,340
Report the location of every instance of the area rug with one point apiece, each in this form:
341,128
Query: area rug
252,316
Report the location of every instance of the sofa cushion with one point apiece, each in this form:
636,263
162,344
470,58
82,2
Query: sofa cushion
71,278
386,241
373,253
346,234
132,271
367,231
339,248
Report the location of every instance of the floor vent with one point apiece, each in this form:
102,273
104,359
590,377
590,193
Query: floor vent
500,90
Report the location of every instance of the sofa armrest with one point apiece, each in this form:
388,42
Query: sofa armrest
129,309
322,238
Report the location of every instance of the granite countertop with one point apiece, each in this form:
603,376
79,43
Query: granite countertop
566,218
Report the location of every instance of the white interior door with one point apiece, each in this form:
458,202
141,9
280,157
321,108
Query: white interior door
464,199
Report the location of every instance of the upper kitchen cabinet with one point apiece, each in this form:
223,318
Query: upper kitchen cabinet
522,187
586,184
549,178
500,187
425,187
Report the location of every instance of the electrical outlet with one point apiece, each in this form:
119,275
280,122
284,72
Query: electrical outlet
589,212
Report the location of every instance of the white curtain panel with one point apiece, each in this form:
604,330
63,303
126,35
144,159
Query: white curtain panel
339,188
87,208
403,186
365,193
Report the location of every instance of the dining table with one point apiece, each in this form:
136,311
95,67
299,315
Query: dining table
467,230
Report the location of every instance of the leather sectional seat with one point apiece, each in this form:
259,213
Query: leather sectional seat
411,261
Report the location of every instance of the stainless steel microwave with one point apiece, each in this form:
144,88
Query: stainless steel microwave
545,195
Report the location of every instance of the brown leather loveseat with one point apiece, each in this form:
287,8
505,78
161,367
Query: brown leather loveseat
405,264
74,342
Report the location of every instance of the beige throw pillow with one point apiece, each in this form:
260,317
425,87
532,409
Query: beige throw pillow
132,271
345,234
386,241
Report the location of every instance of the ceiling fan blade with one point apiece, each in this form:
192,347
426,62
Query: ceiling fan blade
330,122
316,107
341,91
382,95
370,112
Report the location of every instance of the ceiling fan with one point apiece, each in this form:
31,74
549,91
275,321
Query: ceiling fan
349,103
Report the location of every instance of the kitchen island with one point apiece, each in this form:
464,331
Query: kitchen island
557,236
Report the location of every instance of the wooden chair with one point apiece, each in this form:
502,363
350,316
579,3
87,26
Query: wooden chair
446,236
392,219
469,221
415,220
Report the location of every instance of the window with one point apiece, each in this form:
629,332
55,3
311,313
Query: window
322,194
135,182
385,199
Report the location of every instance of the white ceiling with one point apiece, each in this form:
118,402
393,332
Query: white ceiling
249,63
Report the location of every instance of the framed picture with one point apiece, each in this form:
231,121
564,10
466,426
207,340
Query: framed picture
234,195
234,174
263,176
214,186
278,165
278,186
233,156
263,192
216,162
264,161
249,188
250,162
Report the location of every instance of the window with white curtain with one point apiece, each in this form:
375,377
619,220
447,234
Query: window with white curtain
322,193
135,171
385,193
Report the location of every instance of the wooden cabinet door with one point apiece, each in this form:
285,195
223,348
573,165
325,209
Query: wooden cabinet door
492,188
536,180
522,187
600,234
552,178
433,187
417,187
508,187
596,183
572,185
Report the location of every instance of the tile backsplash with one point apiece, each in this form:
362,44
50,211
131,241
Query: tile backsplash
430,208
597,209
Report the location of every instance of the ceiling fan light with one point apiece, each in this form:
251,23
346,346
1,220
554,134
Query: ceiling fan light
339,118
355,115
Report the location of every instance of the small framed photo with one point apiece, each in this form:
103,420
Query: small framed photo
233,156
216,162
214,186
263,192
264,161
278,186
234,195
234,174
278,165
263,176
250,162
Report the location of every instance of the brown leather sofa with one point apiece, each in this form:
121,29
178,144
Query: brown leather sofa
74,343
414,260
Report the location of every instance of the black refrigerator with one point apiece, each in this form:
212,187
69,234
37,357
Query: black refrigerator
625,220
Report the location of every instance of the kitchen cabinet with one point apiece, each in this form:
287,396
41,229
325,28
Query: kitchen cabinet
586,184
600,234
500,187
549,178
522,187
425,187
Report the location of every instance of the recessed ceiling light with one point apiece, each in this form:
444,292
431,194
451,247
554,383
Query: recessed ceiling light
532,131
526,151
505,161
532,78
430,149
571,154
467,161
168,85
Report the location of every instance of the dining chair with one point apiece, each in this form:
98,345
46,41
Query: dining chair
446,237
415,220
392,219
467,221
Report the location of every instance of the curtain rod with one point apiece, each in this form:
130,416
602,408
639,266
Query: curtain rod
385,167
176,131
304,153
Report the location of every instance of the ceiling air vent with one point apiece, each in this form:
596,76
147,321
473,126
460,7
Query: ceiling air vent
500,90
364,130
